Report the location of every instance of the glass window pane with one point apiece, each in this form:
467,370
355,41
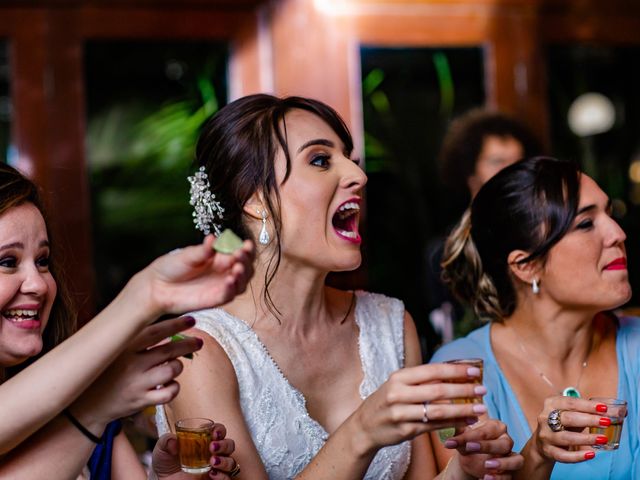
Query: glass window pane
594,108
409,98
146,102
5,103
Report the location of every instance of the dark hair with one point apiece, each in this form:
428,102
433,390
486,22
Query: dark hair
528,206
16,190
465,137
238,147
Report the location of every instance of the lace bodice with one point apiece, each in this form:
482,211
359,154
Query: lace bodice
286,437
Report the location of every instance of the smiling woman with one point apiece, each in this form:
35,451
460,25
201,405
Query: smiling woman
314,382
114,366
28,293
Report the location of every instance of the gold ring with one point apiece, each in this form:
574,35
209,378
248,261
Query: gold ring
235,471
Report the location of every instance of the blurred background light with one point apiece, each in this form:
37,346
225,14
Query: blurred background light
634,170
591,113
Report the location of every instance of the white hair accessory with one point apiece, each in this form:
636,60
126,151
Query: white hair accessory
208,212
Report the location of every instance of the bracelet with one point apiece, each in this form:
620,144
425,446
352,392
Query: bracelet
82,428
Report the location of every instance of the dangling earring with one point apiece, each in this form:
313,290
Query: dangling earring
535,288
263,238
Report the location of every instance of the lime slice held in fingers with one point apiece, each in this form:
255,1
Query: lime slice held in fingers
228,242
446,433
177,338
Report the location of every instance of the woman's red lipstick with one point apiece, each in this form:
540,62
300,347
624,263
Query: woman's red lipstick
617,264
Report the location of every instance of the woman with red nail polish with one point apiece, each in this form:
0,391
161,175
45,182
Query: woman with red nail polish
61,395
540,256
313,381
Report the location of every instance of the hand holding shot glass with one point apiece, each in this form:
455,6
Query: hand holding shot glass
194,437
474,363
571,429
616,413
471,363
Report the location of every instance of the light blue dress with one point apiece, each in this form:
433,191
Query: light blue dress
503,404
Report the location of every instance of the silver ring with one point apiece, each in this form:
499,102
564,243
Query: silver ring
425,417
553,420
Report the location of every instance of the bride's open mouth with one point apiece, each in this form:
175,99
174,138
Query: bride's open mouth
345,220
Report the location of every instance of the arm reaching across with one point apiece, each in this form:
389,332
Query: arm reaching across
192,278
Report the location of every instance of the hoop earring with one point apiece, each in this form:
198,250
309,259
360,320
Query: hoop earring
535,288
264,238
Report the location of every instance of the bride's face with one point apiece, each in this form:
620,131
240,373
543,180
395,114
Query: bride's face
322,197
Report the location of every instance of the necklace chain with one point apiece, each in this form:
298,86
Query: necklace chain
569,391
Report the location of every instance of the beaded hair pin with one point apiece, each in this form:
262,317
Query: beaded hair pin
208,212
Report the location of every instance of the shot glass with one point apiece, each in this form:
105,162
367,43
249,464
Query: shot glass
469,362
616,411
194,437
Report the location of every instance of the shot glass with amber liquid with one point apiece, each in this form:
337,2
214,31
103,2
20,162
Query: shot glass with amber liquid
447,433
616,411
469,362
194,437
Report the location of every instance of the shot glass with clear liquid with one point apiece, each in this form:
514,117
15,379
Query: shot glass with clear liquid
194,437
616,411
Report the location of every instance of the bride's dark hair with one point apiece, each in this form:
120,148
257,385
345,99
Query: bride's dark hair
238,148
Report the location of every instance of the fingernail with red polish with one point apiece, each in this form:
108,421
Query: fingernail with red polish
216,461
601,407
605,422
200,342
189,321
215,446
589,455
601,439
218,435
450,444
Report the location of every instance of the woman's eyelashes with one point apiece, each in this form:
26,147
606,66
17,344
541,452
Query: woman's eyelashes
320,160
323,160
43,263
8,262
585,224
11,262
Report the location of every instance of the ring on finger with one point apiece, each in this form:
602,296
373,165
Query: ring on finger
235,471
554,422
425,417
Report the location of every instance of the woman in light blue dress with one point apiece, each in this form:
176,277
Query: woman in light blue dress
539,256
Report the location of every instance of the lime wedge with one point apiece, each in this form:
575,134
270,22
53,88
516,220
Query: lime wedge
227,242
176,338
446,433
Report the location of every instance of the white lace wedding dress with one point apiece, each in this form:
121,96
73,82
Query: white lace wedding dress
286,437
